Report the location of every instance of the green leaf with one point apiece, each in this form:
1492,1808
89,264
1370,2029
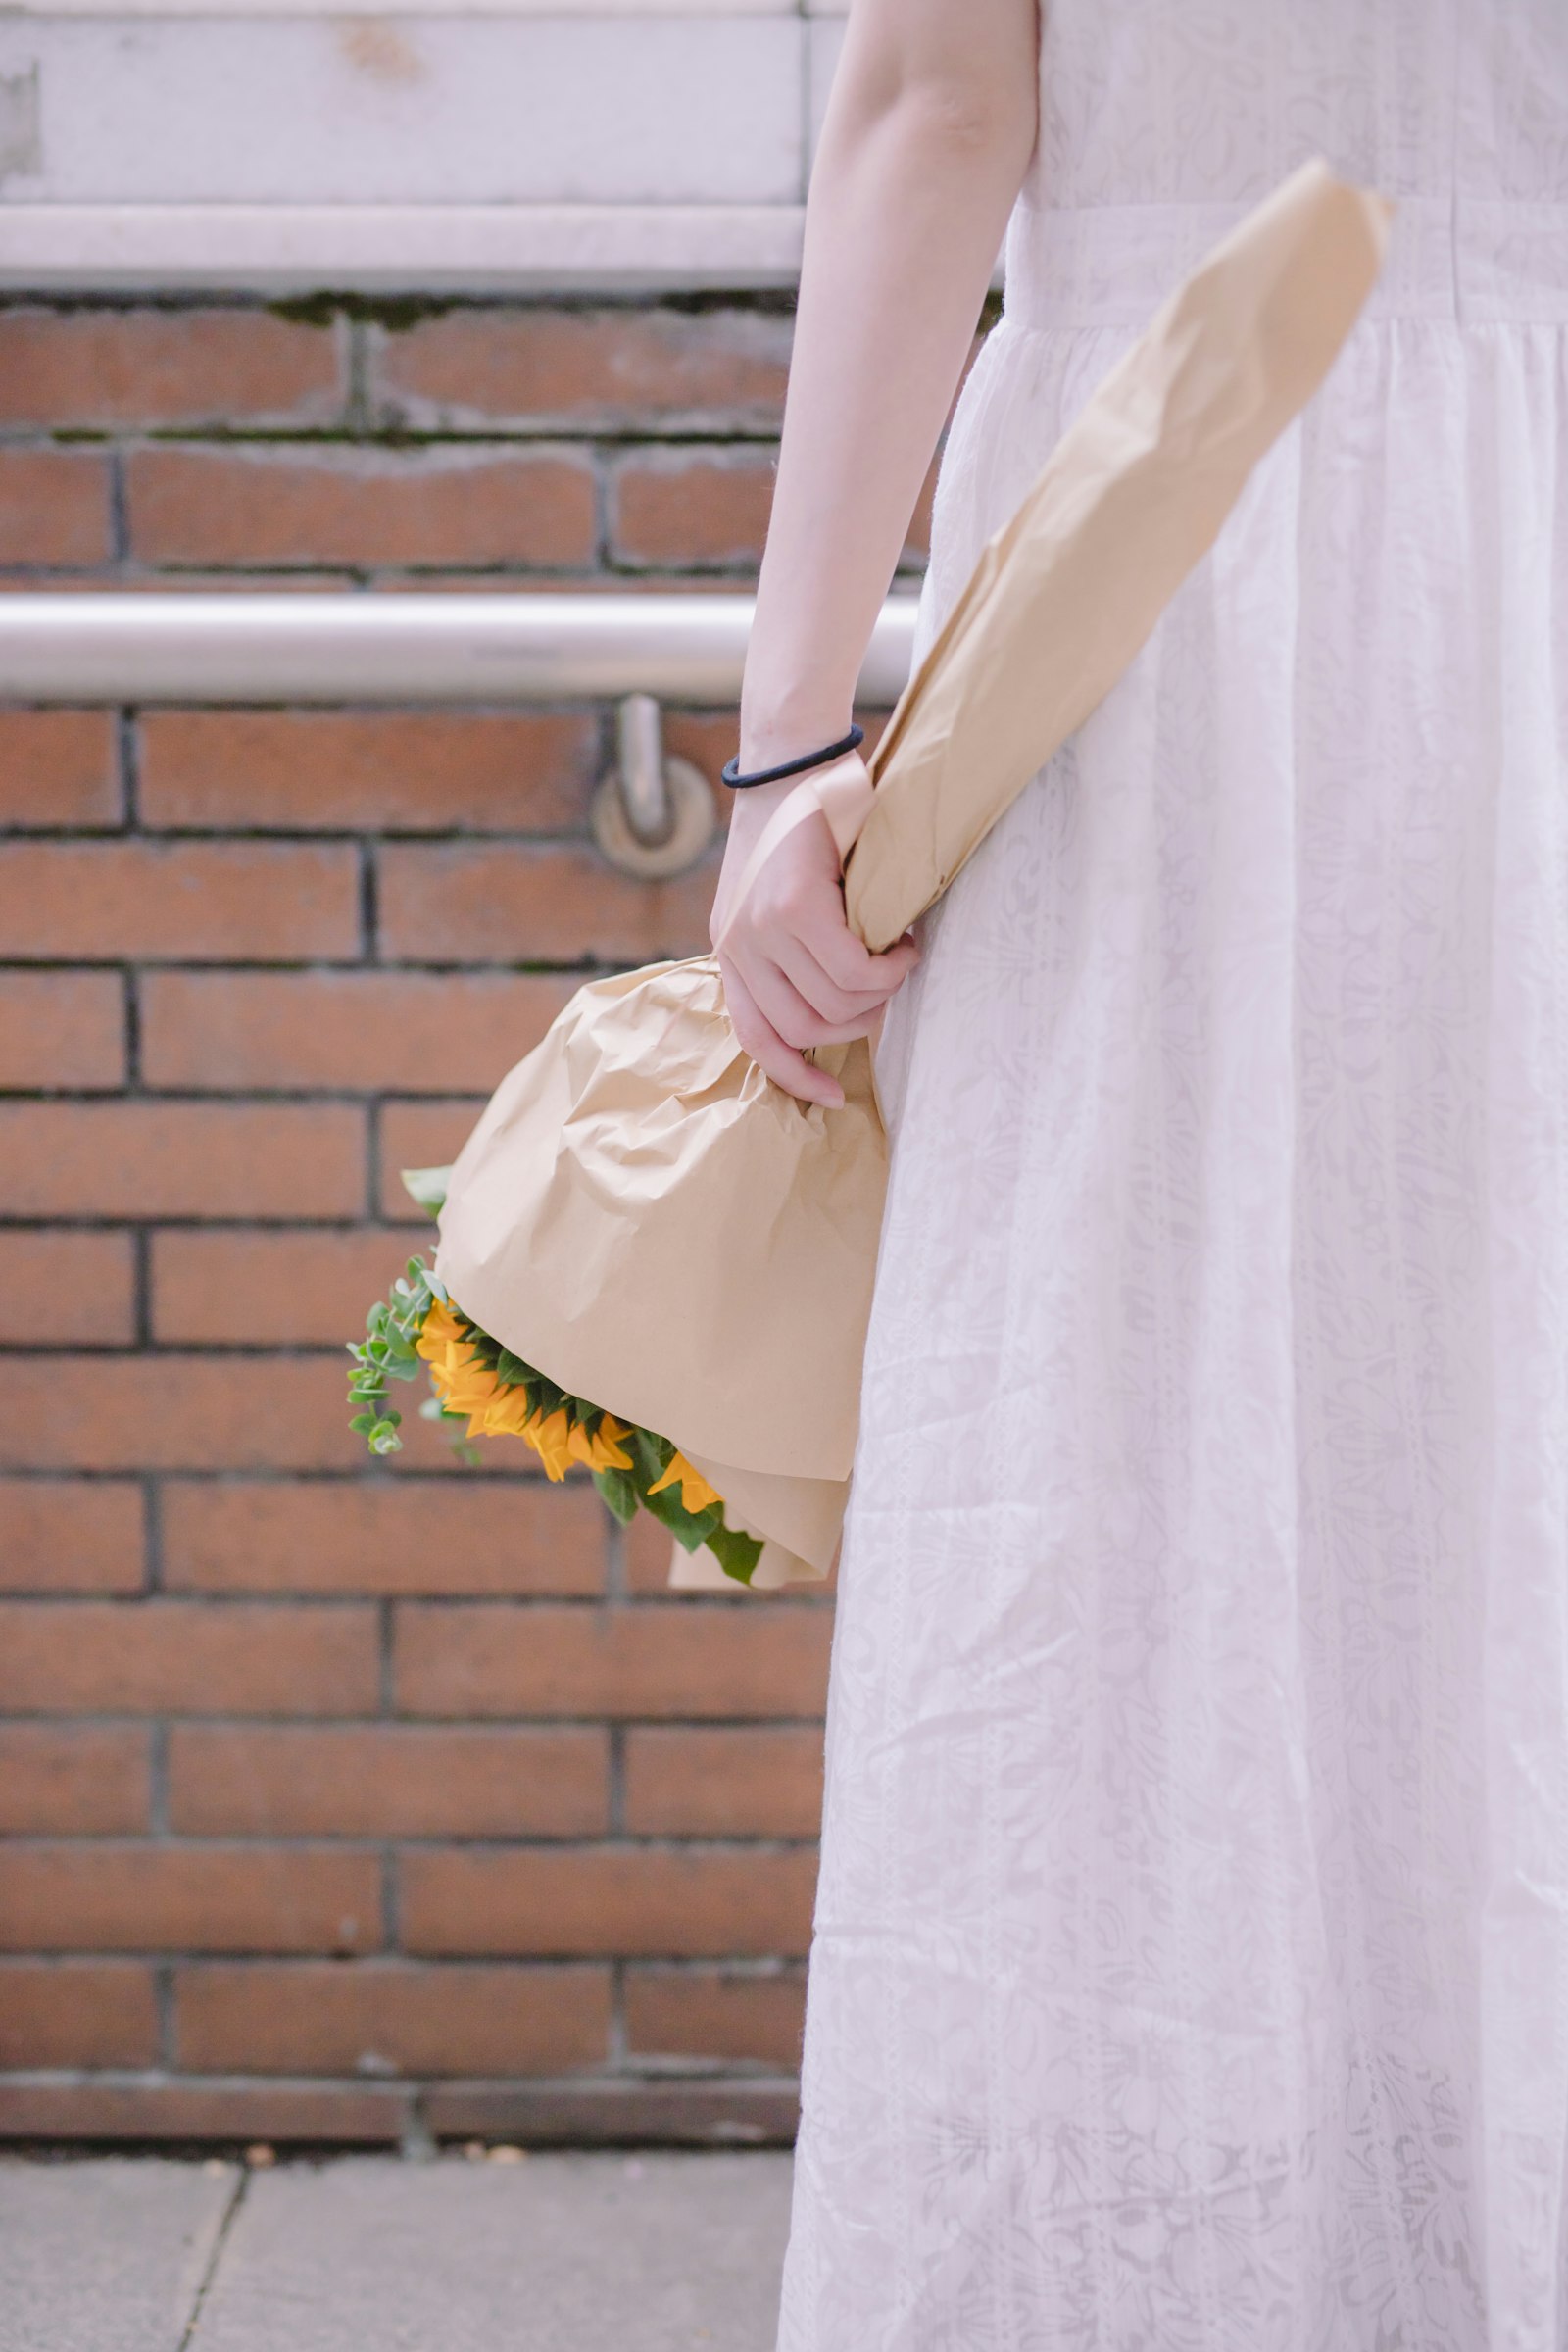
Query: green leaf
618,1490
652,1455
736,1553
690,1528
426,1186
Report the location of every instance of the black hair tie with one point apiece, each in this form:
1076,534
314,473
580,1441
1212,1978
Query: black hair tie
791,767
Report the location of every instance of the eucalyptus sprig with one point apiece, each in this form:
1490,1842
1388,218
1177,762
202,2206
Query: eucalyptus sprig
389,1352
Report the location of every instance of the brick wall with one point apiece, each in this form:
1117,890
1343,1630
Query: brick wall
343,1803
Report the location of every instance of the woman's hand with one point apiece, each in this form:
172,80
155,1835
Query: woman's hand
795,974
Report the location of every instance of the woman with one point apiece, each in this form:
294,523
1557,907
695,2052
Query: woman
1190,1965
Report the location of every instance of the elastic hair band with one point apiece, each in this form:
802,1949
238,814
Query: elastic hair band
791,767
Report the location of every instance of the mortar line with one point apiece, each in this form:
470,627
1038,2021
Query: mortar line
127,752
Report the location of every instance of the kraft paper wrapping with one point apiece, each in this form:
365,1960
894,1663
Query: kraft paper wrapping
640,1212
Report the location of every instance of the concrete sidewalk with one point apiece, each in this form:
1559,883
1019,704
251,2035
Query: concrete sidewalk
539,2253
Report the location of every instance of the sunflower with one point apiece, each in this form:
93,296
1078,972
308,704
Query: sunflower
494,1394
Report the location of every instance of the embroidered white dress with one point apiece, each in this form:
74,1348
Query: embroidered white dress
1190,1965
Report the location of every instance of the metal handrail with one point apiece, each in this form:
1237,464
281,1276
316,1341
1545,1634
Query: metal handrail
162,647
652,816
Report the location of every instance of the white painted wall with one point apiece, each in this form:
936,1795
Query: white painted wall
486,142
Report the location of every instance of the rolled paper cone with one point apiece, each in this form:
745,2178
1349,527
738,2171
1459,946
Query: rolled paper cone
1131,497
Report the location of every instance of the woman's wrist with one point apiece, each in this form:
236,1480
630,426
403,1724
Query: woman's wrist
751,810
768,738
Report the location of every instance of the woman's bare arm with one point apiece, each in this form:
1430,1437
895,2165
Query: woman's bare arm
929,129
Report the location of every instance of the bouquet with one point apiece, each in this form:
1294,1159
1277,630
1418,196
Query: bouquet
476,1381
639,1207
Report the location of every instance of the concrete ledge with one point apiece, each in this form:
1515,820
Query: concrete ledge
587,249
461,249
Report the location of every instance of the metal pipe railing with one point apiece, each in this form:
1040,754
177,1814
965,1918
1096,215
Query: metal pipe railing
652,816
199,648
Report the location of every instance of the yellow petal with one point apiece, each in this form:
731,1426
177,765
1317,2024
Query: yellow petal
695,1493
601,1452
551,1442
508,1413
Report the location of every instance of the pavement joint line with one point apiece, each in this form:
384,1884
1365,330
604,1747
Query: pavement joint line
219,2241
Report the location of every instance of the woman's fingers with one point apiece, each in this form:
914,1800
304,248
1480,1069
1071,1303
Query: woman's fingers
786,1066
789,1014
800,959
850,963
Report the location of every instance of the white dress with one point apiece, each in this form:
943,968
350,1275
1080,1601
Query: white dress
1191,1963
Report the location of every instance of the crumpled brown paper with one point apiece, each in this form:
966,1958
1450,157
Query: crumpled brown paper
643,1215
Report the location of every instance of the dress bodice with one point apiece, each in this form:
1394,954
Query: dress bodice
1457,108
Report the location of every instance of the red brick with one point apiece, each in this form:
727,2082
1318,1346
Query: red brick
379,1536
724,1784
159,368
70,2013
420,1134
230,901
408,771
291,1286
491,1658
175,1413
558,903
226,2113
415,1031
309,2018
149,1657
605,1900
629,366
59,768
61,1029
693,507
58,1536
66,1287
711,2014
470,508
180,1159
185,1898
73,1779
387,1780
54,508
